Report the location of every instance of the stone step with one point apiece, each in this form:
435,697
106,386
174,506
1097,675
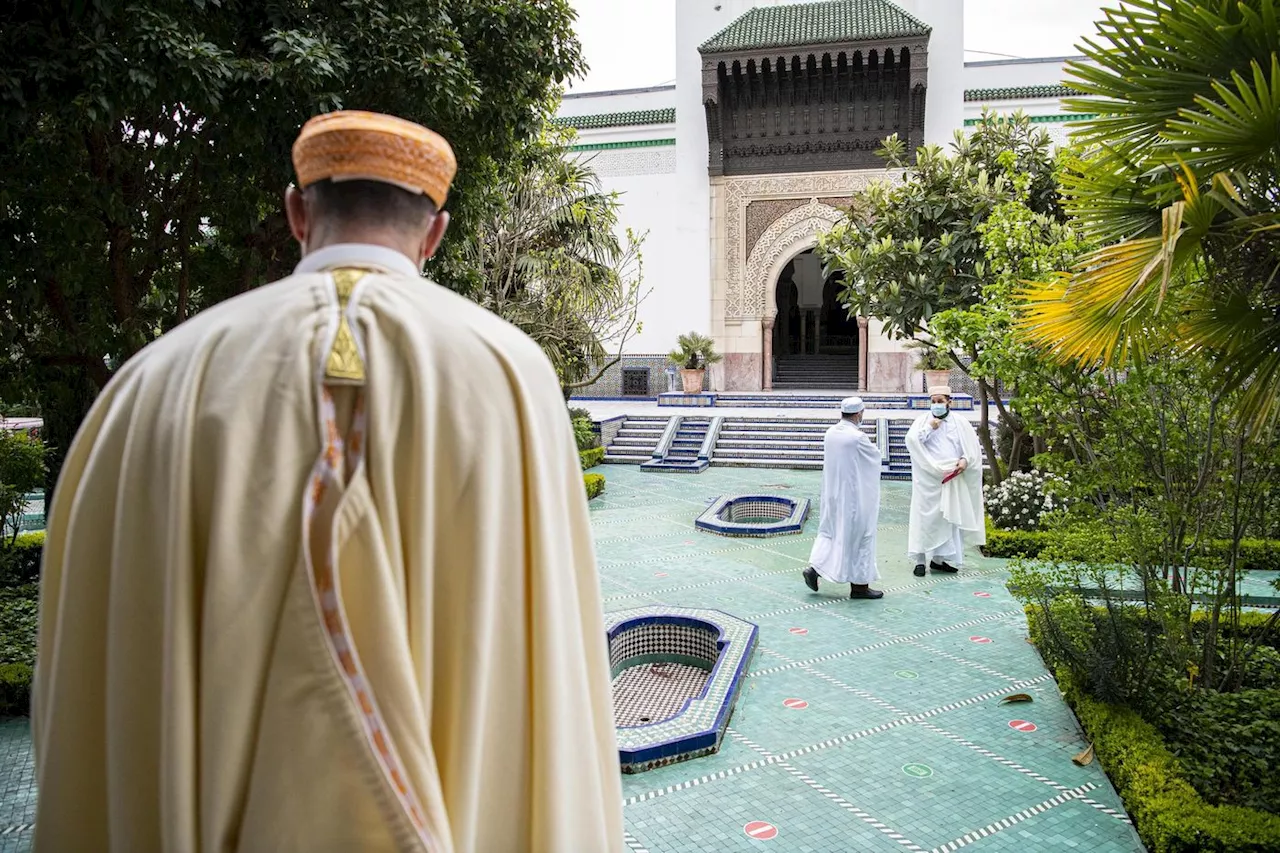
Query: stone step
763,462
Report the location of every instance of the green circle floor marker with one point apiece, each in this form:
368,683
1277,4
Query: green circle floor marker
920,771
893,610
906,673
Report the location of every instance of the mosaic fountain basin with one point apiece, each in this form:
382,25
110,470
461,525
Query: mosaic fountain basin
677,673
754,515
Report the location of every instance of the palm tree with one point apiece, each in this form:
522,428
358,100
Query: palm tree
1180,182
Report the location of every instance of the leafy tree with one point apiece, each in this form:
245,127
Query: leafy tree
22,471
144,149
1019,245
913,250
550,260
1181,187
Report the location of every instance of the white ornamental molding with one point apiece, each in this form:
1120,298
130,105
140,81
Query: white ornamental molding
742,301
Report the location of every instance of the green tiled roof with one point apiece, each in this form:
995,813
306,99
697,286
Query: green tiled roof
815,23
1017,92
629,119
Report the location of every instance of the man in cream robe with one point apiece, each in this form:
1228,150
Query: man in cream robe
946,487
845,548
319,574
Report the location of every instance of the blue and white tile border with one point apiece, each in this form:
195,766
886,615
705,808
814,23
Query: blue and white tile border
712,519
698,729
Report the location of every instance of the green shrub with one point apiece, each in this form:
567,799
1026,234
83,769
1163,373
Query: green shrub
584,433
1167,812
1255,554
20,562
594,484
15,689
1014,543
591,458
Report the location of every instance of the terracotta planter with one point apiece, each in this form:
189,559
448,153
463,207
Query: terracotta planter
937,377
692,380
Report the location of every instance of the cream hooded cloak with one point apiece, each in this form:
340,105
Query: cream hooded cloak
304,598
940,511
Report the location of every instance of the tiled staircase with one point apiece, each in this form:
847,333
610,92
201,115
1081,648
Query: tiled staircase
748,442
682,455
636,440
798,372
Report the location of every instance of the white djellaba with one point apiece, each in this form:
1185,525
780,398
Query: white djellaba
845,548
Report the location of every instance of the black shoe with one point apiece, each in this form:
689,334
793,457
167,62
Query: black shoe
942,567
919,570
811,578
854,592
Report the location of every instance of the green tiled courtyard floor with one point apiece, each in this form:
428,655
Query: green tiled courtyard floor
903,745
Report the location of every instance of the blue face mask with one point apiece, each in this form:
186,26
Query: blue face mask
939,410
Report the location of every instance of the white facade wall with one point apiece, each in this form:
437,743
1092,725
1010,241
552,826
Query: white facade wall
667,192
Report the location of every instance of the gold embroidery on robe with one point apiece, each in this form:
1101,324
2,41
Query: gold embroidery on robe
344,364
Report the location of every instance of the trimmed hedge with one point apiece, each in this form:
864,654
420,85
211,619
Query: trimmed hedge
591,458
20,563
1255,554
594,484
1167,812
15,689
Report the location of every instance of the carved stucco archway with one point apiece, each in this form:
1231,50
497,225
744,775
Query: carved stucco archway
791,234
742,273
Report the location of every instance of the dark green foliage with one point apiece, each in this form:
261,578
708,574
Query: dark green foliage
20,562
145,148
1167,811
594,484
591,458
15,689
1229,745
18,612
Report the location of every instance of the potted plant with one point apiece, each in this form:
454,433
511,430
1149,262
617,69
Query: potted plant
934,362
692,354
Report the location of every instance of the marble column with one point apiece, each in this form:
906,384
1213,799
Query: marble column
862,353
768,354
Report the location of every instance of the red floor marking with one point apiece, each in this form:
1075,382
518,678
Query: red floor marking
1022,725
976,639
761,830
800,631
795,704
659,574
982,594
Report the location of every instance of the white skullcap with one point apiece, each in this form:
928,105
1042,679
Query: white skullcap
851,405
935,390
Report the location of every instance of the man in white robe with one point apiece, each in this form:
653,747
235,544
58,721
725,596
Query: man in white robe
845,548
946,487
319,572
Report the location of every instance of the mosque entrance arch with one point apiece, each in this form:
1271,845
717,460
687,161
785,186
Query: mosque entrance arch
809,341
816,344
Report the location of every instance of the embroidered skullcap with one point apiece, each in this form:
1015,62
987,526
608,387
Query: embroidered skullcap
351,145
935,390
851,405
